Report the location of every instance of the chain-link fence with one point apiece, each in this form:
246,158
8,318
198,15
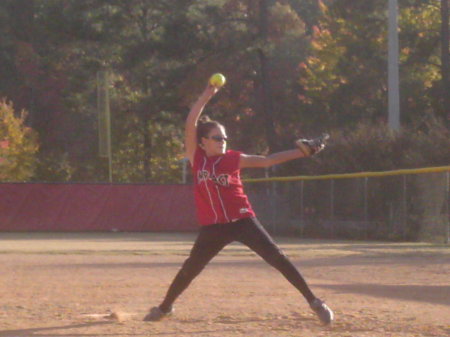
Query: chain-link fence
398,205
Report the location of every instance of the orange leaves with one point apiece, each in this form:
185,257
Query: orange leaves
18,145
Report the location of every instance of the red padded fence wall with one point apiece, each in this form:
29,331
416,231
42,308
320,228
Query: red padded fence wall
96,207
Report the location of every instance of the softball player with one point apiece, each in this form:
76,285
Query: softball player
223,209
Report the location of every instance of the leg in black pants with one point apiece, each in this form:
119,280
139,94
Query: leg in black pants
253,235
210,241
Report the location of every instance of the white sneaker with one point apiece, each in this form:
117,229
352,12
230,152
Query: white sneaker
322,311
156,314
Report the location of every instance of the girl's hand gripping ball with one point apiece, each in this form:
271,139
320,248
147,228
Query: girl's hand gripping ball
217,80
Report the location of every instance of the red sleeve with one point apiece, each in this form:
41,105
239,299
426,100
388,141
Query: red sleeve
234,159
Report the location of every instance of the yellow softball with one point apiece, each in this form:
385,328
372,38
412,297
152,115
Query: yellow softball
217,80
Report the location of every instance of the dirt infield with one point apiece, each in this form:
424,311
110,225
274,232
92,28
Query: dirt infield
69,284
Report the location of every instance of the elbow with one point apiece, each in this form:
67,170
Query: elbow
267,162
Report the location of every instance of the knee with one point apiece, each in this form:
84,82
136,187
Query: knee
191,268
276,259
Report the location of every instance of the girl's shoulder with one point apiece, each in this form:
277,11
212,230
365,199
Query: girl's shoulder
233,153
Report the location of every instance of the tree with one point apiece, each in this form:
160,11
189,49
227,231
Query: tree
257,45
345,78
18,145
146,65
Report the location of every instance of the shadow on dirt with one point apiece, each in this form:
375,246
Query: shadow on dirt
41,332
418,293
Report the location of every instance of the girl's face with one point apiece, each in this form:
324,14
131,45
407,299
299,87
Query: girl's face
215,144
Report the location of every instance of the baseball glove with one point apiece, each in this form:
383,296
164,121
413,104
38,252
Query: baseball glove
310,147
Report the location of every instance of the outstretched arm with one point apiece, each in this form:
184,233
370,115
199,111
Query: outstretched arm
270,160
190,135
305,148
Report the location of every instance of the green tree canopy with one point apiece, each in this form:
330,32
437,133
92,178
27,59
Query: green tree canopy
345,78
293,69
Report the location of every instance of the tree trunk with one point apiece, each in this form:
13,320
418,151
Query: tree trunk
147,151
146,113
146,120
265,87
445,59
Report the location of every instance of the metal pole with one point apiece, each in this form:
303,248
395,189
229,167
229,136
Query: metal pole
405,209
108,130
393,67
447,239
302,206
104,115
274,200
274,207
184,170
333,229
366,216
110,155
302,202
445,55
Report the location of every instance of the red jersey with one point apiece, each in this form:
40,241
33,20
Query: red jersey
219,194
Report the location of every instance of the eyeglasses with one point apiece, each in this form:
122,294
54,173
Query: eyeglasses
218,138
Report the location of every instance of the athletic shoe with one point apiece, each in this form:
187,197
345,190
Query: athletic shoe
156,314
322,311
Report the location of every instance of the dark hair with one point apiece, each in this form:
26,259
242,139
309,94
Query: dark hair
204,126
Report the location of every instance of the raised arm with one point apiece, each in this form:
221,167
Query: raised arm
190,135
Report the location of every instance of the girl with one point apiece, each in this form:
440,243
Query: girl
223,209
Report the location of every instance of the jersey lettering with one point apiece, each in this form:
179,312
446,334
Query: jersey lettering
221,179
219,194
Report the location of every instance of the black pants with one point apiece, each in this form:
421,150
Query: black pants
213,238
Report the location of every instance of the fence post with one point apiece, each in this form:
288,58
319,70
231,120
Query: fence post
274,201
184,170
447,239
366,216
333,229
405,209
302,206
